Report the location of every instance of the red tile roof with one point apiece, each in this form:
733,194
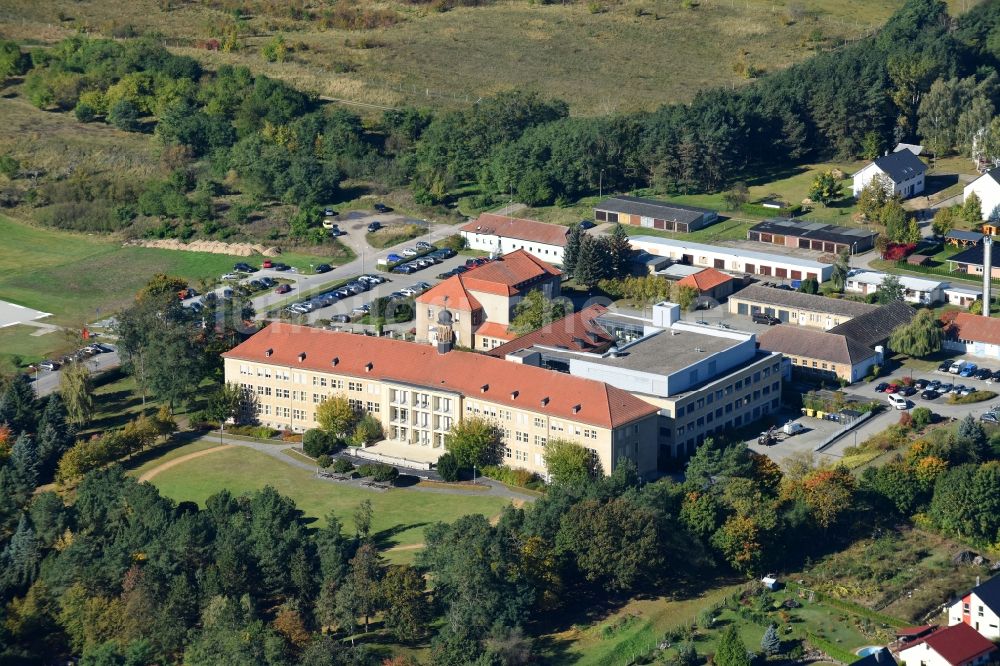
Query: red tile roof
976,328
577,332
492,329
513,227
957,644
473,375
451,294
503,277
705,280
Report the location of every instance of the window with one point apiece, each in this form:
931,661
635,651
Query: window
356,404
521,436
539,422
373,407
540,440
507,453
354,386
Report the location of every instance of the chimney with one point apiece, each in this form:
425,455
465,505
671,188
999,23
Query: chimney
335,361
887,153
987,273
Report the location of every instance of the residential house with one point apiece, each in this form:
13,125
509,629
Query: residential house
653,214
502,235
963,297
795,307
958,645
418,393
970,262
915,290
482,300
806,235
733,259
987,187
979,608
711,284
902,172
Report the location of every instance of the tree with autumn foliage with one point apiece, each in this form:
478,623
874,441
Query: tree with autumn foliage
828,492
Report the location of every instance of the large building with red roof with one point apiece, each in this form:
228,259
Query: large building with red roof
481,301
958,645
503,235
418,392
973,334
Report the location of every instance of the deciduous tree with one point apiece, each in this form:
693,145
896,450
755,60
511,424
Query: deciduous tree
336,415
534,311
474,441
921,337
569,464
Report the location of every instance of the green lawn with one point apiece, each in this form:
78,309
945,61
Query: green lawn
400,515
18,347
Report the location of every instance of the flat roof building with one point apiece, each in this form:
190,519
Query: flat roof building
733,259
794,307
704,379
807,235
653,214
915,290
418,393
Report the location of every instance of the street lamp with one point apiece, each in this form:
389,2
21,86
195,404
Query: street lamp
600,185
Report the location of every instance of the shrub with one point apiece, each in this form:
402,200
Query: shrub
455,242
317,442
342,466
975,396
289,436
380,472
899,251
368,430
324,461
448,467
921,417
521,478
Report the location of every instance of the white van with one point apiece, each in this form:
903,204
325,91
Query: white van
956,367
898,401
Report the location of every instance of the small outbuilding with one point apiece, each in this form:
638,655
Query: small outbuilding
771,582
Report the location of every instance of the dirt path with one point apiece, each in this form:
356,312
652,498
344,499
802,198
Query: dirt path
149,474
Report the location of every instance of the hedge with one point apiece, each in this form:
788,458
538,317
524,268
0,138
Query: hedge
832,650
852,607
380,472
975,396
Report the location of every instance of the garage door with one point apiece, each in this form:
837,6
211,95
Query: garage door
742,308
783,316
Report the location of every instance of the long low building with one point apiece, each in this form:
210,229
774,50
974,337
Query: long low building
733,259
915,290
418,392
806,235
821,354
653,214
501,235
793,307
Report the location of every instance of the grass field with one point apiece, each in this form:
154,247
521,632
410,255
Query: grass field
400,515
581,52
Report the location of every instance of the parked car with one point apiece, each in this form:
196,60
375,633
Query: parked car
267,264
278,266
587,224
898,402
425,262
983,373
343,292
989,417
340,319
957,389
374,226
405,269
409,291
967,370
373,279
231,276
930,395
995,377
256,285
458,270
445,275
329,224
444,253
244,267
934,385
49,365
410,252
944,367
424,245
956,367
892,388
361,310
764,318
906,391
966,390
882,387
283,289
921,384
381,208
393,258
268,282
423,286
323,268
945,388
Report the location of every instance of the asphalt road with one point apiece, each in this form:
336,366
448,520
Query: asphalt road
47,382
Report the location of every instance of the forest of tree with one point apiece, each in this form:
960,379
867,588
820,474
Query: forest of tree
924,75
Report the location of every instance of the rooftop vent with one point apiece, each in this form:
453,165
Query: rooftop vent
369,366
545,401
484,388
335,361
577,408
514,394
268,352
302,356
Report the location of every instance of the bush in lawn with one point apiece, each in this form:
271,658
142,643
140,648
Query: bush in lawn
448,467
316,442
455,242
380,472
975,396
905,420
367,431
324,461
342,466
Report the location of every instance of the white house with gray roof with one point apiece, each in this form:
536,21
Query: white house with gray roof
902,171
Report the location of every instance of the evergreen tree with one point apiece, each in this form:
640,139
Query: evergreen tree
591,264
619,252
770,644
890,290
732,651
572,250
972,210
971,433
17,405
19,560
24,460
